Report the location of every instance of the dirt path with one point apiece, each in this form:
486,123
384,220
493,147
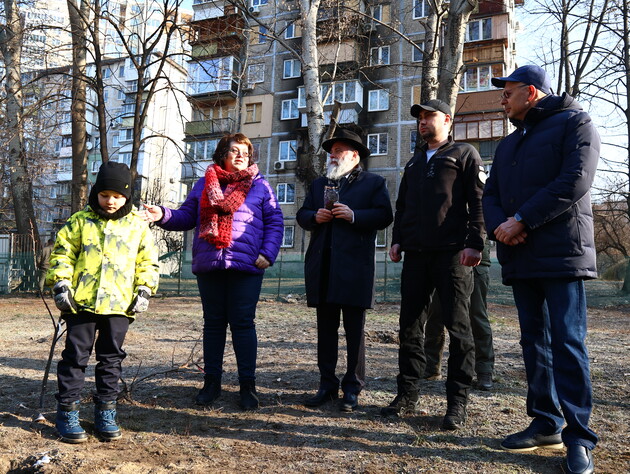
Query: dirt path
164,431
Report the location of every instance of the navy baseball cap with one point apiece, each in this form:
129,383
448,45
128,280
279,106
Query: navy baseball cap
433,105
531,75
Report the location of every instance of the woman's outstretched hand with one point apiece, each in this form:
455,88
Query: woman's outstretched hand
151,213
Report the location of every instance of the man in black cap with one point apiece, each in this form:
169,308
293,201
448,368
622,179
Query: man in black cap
537,207
343,211
439,226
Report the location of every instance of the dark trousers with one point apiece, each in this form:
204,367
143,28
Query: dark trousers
80,338
328,319
230,297
434,332
422,273
552,316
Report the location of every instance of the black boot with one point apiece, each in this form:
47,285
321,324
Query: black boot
210,392
249,397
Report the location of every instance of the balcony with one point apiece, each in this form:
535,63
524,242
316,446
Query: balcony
328,19
210,127
209,9
213,77
348,93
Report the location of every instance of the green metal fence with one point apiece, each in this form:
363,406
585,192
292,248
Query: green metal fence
284,278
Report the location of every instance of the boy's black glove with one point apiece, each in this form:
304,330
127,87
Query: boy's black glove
63,296
141,301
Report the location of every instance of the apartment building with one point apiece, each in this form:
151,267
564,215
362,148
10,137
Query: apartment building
245,76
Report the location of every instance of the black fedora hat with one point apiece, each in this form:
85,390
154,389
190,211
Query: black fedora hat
348,137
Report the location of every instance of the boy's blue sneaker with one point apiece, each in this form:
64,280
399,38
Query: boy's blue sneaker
67,423
105,421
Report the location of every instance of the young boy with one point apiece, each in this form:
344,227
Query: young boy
104,269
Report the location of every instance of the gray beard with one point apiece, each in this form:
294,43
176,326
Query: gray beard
340,170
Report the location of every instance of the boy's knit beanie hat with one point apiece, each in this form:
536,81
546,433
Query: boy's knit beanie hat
113,176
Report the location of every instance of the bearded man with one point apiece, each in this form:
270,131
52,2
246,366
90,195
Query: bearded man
343,211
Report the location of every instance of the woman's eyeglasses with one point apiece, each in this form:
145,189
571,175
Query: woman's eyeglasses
236,151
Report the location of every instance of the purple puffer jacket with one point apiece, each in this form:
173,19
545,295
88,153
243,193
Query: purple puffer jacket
257,229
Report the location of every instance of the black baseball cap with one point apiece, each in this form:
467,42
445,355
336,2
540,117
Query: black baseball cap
433,105
530,74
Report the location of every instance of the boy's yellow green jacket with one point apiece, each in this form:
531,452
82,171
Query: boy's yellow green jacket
106,261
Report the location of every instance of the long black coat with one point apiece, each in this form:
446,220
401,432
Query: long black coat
350,279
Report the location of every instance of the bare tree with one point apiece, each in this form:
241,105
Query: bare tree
79,18
593,63
11,39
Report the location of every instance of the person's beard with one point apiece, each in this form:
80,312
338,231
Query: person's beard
338,171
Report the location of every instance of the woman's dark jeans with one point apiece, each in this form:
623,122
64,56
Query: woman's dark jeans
229,297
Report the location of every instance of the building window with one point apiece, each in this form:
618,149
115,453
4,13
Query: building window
115,140
96,165
421,9
292,31
285,193
417,52
377,143
288,237
258,3
262,34
381,238
201,150
478,30
292,68
255,73
378,99
121,71
125,158
125,135
121,95
53,192
253,112
289,109
66,141
65,165
288,150
107,73
477,78
413,137
343,92
379,56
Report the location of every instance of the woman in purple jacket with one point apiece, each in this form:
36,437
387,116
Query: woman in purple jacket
238,231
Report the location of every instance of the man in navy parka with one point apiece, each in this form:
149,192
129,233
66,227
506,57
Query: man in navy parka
537,207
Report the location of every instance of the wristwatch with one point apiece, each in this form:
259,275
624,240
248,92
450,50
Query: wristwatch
518,218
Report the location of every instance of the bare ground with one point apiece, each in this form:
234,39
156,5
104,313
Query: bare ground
165,432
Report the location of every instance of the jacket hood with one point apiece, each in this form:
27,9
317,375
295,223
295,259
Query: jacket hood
548,106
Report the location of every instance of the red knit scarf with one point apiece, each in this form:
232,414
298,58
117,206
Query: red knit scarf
218,206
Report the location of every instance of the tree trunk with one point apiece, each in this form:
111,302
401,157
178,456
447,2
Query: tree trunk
310,164
431,57
79,16
451,57
625,54
21,185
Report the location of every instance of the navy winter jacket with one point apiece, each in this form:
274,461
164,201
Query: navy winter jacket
544,171
257,229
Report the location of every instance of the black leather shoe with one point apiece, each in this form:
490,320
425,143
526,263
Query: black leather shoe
529,440
322,396
579,460
349,402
